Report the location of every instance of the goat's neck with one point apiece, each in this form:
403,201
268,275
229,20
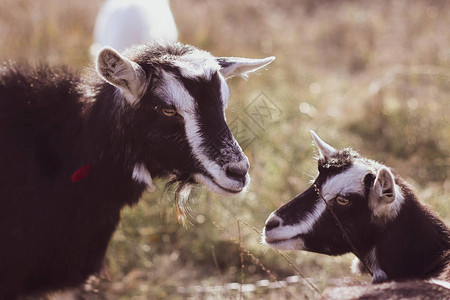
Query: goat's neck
410,246
109,146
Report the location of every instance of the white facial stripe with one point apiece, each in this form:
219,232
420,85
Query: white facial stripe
305,226
177,95
349,181
174,93
219,175
195,140
198,64
224,92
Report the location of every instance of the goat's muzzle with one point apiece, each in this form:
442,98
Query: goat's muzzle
231,179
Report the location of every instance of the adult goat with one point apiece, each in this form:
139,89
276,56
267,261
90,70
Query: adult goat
75,150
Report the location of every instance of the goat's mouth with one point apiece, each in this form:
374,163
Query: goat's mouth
270,241
292,243
202,177
212,184
275,241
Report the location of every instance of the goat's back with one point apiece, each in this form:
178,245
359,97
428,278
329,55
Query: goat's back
40,119
44,218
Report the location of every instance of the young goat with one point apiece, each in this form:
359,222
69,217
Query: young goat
76,150
385,225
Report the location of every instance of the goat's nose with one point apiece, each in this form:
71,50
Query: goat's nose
237,171
272,222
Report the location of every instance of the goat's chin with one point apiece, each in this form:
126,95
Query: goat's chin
288,244
276,239
214,187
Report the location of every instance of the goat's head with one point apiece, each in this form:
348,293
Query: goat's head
177,96
361,192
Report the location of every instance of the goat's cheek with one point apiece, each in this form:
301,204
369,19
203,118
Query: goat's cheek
323,239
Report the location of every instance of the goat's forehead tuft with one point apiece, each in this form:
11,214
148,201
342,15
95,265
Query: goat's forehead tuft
337,163
191,62
339,160
197,64
173,92
157,52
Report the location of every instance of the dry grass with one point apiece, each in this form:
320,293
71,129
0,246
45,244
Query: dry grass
370,74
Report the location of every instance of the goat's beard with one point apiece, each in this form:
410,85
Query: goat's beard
183,185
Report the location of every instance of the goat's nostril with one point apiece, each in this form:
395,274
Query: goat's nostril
237,171
272,223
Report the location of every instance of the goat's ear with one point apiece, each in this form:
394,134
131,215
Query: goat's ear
325,150
240,66
121,72
384,186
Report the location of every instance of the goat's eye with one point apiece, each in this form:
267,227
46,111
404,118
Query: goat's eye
170,112
342,201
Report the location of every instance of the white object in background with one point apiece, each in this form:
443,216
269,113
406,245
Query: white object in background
123,23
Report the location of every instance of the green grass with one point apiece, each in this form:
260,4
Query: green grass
371,75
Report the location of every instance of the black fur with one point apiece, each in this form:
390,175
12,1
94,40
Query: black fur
54,232
413,245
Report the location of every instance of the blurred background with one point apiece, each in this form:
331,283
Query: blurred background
373,75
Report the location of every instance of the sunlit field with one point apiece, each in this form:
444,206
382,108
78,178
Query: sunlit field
373,75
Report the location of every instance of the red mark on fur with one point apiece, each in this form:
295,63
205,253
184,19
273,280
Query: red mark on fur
81,173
